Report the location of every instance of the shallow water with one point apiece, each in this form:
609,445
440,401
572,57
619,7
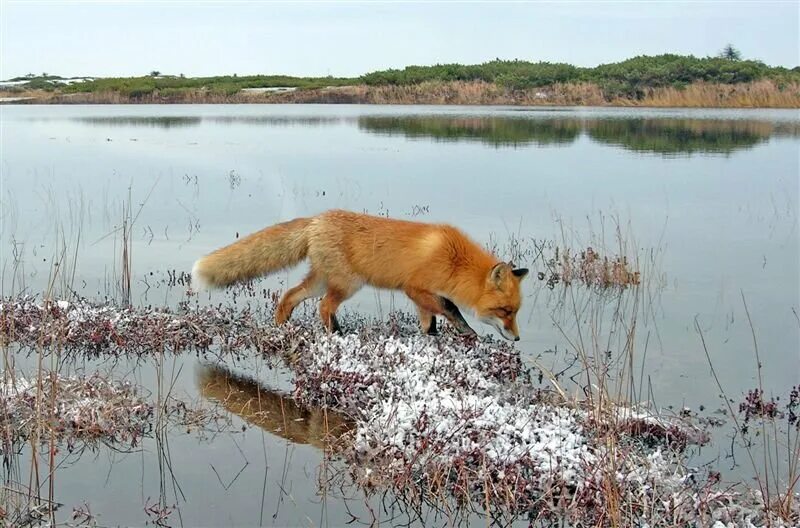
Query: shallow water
708,199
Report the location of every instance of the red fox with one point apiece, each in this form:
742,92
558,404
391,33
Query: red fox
436,265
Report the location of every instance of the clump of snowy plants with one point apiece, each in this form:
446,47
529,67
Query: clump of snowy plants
96,329
444,417
76,409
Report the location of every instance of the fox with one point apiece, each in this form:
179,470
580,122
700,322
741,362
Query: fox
436,265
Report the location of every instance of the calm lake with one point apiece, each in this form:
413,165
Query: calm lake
708,198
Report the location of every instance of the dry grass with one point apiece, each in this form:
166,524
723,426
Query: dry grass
765,93
757,94
590,269
452,93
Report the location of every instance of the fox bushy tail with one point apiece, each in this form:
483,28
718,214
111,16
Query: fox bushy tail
271,249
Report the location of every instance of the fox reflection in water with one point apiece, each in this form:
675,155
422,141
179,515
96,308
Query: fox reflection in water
272,411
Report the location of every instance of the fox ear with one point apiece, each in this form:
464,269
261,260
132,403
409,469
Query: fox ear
498,273
520,273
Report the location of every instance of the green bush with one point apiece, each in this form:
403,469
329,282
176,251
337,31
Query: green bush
138,93
40,83
629,78
632,76
218,84
514,74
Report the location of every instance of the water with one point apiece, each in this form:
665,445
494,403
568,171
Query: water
710,196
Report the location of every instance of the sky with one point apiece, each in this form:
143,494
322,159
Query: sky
116,38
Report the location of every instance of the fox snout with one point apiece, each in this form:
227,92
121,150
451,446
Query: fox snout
508,328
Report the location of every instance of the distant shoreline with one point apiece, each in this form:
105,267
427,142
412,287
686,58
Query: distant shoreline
666,80
757,94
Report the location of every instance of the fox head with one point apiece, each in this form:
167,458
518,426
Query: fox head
501,299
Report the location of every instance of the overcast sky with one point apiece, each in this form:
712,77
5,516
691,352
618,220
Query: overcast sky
350,38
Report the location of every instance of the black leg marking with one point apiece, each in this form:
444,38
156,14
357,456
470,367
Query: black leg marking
455,317
432,329
335,328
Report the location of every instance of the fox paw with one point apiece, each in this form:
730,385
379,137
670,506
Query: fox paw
281,317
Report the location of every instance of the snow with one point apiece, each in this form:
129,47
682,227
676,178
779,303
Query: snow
417,396
268,89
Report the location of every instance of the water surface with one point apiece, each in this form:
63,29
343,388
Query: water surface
709,198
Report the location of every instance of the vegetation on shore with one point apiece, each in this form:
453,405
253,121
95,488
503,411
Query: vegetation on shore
629,78
758,94
663,80
218,85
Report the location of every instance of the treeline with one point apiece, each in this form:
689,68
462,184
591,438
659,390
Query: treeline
628,78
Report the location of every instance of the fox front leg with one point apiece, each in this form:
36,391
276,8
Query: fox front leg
453,314
427,321
430,303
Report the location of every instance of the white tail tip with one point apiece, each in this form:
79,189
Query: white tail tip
199,283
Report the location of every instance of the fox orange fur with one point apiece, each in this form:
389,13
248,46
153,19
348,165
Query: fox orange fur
436,265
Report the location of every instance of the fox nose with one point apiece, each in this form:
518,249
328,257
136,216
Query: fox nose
516,338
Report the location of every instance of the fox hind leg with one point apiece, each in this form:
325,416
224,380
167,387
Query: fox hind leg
330,303
327,309
311,286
